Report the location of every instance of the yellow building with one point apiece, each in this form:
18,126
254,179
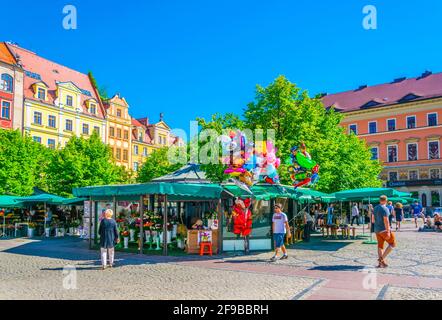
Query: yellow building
119,127
147,137
58,102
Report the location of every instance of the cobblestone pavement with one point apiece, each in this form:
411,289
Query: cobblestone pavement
321,269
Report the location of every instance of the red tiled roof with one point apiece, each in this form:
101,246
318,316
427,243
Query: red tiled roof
146,136
403,90
5,54
135,122
51,73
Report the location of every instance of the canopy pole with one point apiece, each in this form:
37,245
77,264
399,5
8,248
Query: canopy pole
220,228
46,218
165,226
363,221
90,223
371,222
141,206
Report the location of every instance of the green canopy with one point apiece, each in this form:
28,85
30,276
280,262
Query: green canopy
179,190
44,198
359,194
10,202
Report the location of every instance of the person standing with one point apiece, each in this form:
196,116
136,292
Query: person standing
280,226
418,212
308,226
391,210
383,231
399,214
355,214
108,232
330,211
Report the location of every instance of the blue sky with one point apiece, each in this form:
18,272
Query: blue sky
193,58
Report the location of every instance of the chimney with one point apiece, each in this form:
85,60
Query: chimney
362,87
426,74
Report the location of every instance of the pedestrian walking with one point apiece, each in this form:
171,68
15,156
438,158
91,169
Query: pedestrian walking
399,214
108,232
391,210
280,227
383,231
355,214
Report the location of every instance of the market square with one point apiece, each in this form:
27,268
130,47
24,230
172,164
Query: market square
196,152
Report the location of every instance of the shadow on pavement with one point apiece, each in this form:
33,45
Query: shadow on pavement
337,268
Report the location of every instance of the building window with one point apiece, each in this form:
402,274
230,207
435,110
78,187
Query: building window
140,136
97,130
126,134
112,131
374,153
37,118
6,82
41,94
118,154
353,128
93,108
411,122
119,113
145,152
6,110
413,175
433,150
52,121
412,151
51,143
372,127
69,101
119,133
434,174
69,125
135,166
36,139
85,128
125,155
391,124
136,150
392,153
435,198
432,119
392,176
424,199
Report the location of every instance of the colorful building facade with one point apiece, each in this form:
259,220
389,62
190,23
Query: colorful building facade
401,123
119,127
58,102
11,90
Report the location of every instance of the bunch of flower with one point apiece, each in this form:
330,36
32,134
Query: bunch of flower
124,233
32,225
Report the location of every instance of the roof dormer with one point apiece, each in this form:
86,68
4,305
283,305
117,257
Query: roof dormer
40,90
92,106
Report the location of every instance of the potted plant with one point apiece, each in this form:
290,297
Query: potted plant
31,229
75,225
132,229
125,235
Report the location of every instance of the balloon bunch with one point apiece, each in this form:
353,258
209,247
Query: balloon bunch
303,170
247,163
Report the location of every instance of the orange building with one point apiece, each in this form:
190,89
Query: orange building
401,123
11,90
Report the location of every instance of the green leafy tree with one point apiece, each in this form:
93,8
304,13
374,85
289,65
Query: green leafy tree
22,163
158,164
102,90
295,117
83,162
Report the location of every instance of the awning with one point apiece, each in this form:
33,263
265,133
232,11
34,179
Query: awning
178,190
10,202
360,194
44,198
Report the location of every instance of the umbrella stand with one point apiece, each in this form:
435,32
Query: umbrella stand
371,241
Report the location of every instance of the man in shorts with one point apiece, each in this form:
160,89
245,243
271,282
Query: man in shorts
383,231
280,226
418,212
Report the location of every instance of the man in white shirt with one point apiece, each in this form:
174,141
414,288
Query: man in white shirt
280,226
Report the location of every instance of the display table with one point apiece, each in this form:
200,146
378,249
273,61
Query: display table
193,247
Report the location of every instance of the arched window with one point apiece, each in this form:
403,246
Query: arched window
6,82
424,200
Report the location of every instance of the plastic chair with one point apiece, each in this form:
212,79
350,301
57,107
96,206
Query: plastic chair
203,246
